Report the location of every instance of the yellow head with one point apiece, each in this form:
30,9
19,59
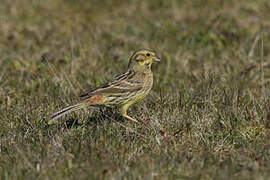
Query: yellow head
142,60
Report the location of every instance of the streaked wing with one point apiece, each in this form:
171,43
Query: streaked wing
121,84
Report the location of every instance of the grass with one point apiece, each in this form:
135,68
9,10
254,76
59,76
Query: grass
211,89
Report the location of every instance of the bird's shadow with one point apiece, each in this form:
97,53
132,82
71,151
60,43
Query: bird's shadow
97,117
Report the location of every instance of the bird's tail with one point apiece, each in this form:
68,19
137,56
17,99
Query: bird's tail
64,111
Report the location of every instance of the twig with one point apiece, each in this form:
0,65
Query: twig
255,42
261,65
72,52
2,75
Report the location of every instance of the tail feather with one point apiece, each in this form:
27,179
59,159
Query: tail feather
64,111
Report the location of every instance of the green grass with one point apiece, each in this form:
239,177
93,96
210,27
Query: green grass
211,89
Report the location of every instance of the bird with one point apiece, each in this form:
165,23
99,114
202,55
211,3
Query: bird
123,90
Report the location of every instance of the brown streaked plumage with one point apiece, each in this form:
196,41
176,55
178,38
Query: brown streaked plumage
123,90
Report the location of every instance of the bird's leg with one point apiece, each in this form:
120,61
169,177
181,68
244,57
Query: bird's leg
124,114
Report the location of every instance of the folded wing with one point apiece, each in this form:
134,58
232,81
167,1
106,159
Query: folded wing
121,84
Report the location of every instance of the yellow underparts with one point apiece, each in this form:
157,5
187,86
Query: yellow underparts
141,63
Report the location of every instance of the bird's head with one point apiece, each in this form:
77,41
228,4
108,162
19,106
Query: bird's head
142,60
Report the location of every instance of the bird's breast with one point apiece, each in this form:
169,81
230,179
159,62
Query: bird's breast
148,81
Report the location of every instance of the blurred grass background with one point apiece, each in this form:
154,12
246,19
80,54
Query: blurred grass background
211,89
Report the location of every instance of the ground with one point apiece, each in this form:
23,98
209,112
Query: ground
210,94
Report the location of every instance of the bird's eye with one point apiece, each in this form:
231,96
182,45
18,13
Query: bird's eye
148,54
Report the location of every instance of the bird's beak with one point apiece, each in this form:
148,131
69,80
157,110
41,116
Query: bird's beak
156,59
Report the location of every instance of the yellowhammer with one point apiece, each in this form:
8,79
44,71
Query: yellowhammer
123,91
